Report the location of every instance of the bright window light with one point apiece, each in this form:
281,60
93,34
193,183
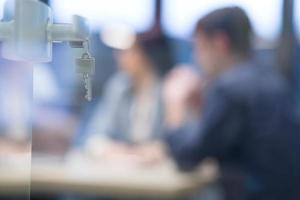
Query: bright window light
297,17
2,2
180,16
119,36
138,13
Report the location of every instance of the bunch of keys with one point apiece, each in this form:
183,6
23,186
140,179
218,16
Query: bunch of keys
85,65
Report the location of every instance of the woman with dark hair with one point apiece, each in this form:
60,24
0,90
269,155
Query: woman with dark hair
130,115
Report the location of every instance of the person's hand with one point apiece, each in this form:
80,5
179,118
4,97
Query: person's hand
150,154
102,148
182,95
116,150
143,155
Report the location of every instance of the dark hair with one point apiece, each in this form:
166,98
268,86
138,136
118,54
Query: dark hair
233,22
157,49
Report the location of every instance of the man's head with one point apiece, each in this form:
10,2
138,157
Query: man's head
222,37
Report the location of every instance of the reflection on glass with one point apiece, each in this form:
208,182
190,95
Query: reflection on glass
15,130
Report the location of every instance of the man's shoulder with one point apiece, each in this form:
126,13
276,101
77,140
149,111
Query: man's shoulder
251,79
239,75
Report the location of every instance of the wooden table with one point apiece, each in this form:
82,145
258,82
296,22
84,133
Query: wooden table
116,179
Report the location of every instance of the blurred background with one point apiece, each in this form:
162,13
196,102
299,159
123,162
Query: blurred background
61,120
58,93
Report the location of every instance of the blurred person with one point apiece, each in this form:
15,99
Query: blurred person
246,114
129,119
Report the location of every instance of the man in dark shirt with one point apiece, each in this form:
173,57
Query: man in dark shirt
247,119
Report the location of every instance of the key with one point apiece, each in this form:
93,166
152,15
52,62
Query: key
86,66
88,86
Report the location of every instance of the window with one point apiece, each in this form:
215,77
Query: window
297,17
6,9
137,13
1,8
180,16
